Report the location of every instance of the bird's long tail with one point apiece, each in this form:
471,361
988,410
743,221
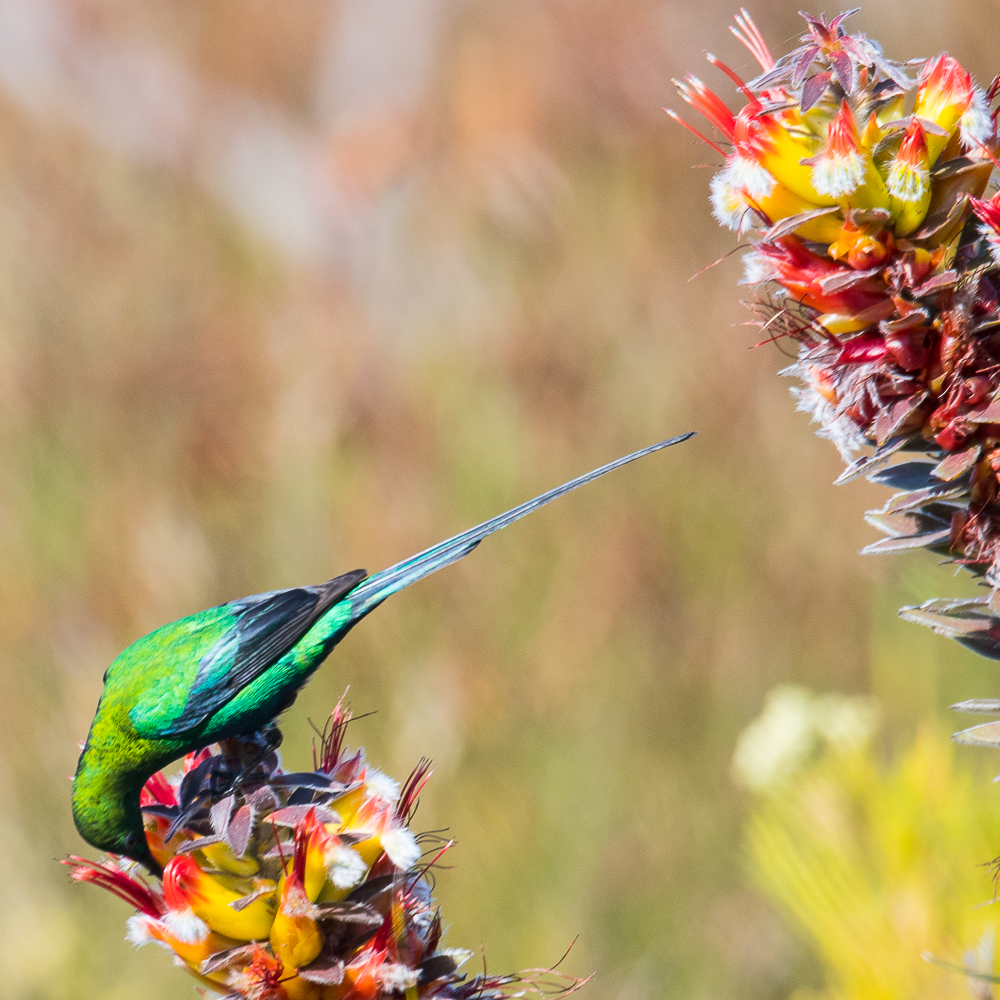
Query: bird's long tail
373,591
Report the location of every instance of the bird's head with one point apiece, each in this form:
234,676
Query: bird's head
106,811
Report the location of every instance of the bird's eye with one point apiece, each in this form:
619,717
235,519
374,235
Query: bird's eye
131,842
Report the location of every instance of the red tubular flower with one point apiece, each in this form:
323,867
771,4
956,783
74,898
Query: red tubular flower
988,213
128,887
944,94
816,282
840,168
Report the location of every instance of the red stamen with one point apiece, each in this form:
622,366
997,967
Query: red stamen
753,39
702,99
736,78
413,786
127,887
680,121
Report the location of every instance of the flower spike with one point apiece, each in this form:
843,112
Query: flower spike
300,886
878,254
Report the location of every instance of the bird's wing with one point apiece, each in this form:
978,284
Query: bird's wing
262,629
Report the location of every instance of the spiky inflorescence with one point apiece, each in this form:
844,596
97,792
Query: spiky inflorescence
297,886
871,246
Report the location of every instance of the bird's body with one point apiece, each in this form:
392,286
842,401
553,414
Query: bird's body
229,671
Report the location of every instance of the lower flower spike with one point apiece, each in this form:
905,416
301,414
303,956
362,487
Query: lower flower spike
296,886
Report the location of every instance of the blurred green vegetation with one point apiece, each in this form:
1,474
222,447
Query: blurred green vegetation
291,288
870,858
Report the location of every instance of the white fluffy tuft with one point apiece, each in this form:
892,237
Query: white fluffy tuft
138,931
344,866
841,430
186,926
976,125
395,978
401,846
836,175
729,204
749,176
379,785
734,189
906,181
756,269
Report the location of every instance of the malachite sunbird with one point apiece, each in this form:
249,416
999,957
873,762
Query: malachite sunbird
230,670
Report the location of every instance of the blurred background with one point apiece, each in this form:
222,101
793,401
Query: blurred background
290,288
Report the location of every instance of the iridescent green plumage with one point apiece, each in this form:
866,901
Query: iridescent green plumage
230,670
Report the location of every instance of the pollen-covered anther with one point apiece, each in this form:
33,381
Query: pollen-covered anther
840,168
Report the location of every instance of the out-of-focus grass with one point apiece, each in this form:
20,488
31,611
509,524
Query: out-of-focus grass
209,388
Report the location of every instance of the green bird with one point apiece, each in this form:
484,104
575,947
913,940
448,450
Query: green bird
230,671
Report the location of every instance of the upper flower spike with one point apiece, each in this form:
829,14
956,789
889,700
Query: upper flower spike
896,311
823,136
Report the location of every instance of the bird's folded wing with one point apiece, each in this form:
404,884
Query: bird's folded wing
263,628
